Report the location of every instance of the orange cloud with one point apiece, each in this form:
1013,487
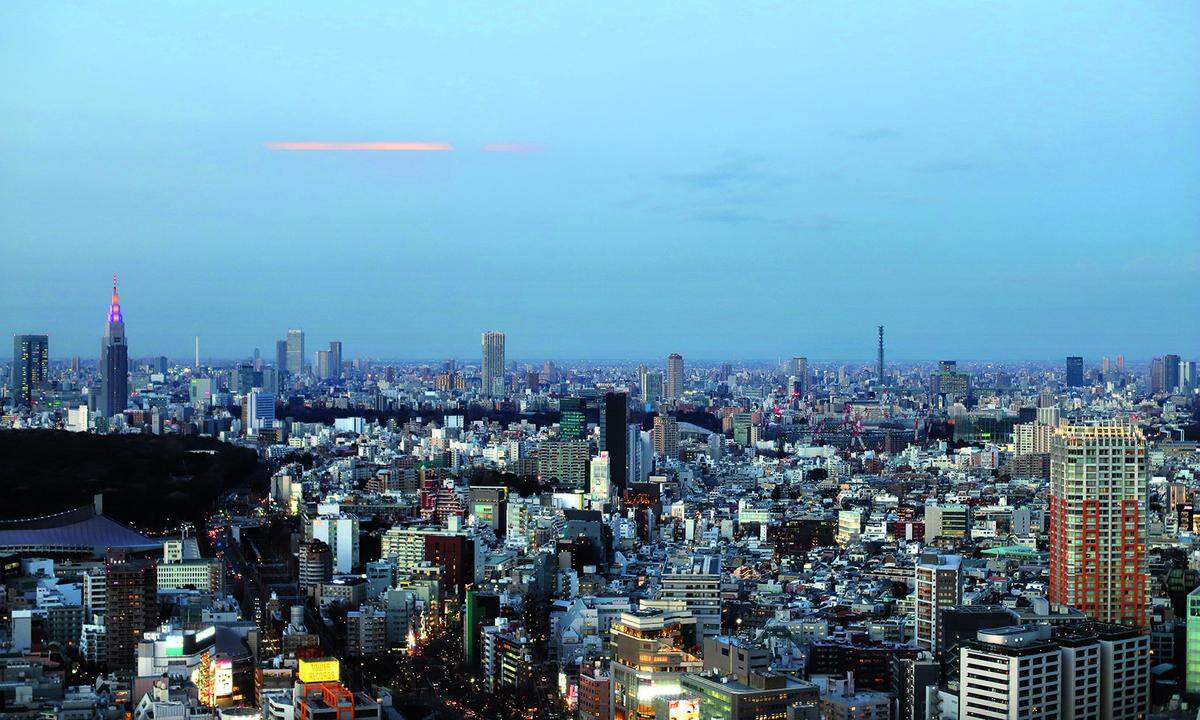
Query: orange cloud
364,146
511,148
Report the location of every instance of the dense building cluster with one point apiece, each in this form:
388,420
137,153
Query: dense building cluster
635,541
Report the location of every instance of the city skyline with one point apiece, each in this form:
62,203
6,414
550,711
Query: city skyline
294,344
998,167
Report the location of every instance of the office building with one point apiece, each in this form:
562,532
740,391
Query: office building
674,390
798,369
492,365
651,384
951,521
648,660
295,352
114,362
757,696
324,365
614,439
1074,371
281,355
258,411
335,359
31,367
696,582
572,421
1011,673
1098,491
1164,374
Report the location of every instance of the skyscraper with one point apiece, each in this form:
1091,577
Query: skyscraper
281,356
325,364
31,366
651,384
295,352
492,365
1098,491
114,362
335,353
674,377
666,436
614,439
799,370
1074,371
572,422
879,369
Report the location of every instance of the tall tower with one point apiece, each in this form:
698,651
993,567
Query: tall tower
674,377
492,365
880,368
1098,490
114,362
31,366
295,352
614,439
1074,371
335,355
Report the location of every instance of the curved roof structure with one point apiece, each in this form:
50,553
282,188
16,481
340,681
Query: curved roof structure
82,530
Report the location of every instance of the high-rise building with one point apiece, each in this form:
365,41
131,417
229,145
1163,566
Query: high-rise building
651,384
798,374
572,420
879,368
31,366
335,359
1074,371
325,364
614,439
492,365
674,377
1164,373
938,586
295,352
259,411
666,436
281,363
114,362
1098,494
649,660
131,597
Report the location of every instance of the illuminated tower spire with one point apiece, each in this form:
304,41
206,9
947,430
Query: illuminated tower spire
114,309
114,361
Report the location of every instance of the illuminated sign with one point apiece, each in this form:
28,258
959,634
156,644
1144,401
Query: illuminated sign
686,709
315,671
223,678
174,644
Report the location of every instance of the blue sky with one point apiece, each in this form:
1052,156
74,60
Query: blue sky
988,180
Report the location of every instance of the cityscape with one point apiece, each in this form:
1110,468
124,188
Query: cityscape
875,464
